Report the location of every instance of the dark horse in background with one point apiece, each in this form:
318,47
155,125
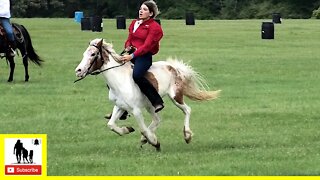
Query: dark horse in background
24,44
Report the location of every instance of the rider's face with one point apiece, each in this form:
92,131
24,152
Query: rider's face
144,12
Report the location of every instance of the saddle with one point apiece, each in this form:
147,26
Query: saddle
16,31
4,42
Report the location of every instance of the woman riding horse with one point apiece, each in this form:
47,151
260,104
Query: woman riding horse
171,77
5,21
144,36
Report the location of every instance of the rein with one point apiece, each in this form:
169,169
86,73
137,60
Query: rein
100,71
95,59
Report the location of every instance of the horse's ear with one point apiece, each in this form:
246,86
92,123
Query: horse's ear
100,43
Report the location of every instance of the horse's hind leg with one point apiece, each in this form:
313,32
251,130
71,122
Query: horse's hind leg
25,64
12,66
178,101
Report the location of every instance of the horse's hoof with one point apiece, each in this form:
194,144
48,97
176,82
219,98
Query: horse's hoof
188,140
10,80
130,129
157,146
116,132
187,135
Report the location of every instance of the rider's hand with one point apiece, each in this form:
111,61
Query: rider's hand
126,58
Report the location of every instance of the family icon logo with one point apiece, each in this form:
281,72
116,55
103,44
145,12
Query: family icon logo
23,156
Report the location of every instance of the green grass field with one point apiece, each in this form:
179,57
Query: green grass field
266,121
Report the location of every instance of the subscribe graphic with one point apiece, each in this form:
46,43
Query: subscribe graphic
23,156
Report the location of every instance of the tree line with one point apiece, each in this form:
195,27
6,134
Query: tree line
170,9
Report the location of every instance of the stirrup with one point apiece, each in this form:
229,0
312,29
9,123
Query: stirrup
12,52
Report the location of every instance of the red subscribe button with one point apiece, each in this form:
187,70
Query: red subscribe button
23,170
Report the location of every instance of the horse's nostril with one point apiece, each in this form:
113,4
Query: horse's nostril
78,70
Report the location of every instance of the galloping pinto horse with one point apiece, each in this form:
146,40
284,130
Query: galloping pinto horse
24,44
171,77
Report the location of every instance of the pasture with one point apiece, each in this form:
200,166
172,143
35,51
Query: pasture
266,121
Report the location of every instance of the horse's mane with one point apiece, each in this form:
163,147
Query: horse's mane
109,47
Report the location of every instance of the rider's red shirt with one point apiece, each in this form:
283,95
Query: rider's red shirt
146,38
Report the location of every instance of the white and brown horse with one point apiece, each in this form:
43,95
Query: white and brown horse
172,77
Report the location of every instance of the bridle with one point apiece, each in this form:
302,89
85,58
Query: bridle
98,71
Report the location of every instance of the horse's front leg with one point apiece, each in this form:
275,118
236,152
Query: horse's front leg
12,66
145,131
153,126
116,113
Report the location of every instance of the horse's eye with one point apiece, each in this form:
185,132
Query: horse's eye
93,54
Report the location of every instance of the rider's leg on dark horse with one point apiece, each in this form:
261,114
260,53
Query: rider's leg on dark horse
10,36
12,47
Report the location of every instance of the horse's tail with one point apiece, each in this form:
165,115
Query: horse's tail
33,56
194,85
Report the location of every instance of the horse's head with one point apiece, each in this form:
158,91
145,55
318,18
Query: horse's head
93,58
